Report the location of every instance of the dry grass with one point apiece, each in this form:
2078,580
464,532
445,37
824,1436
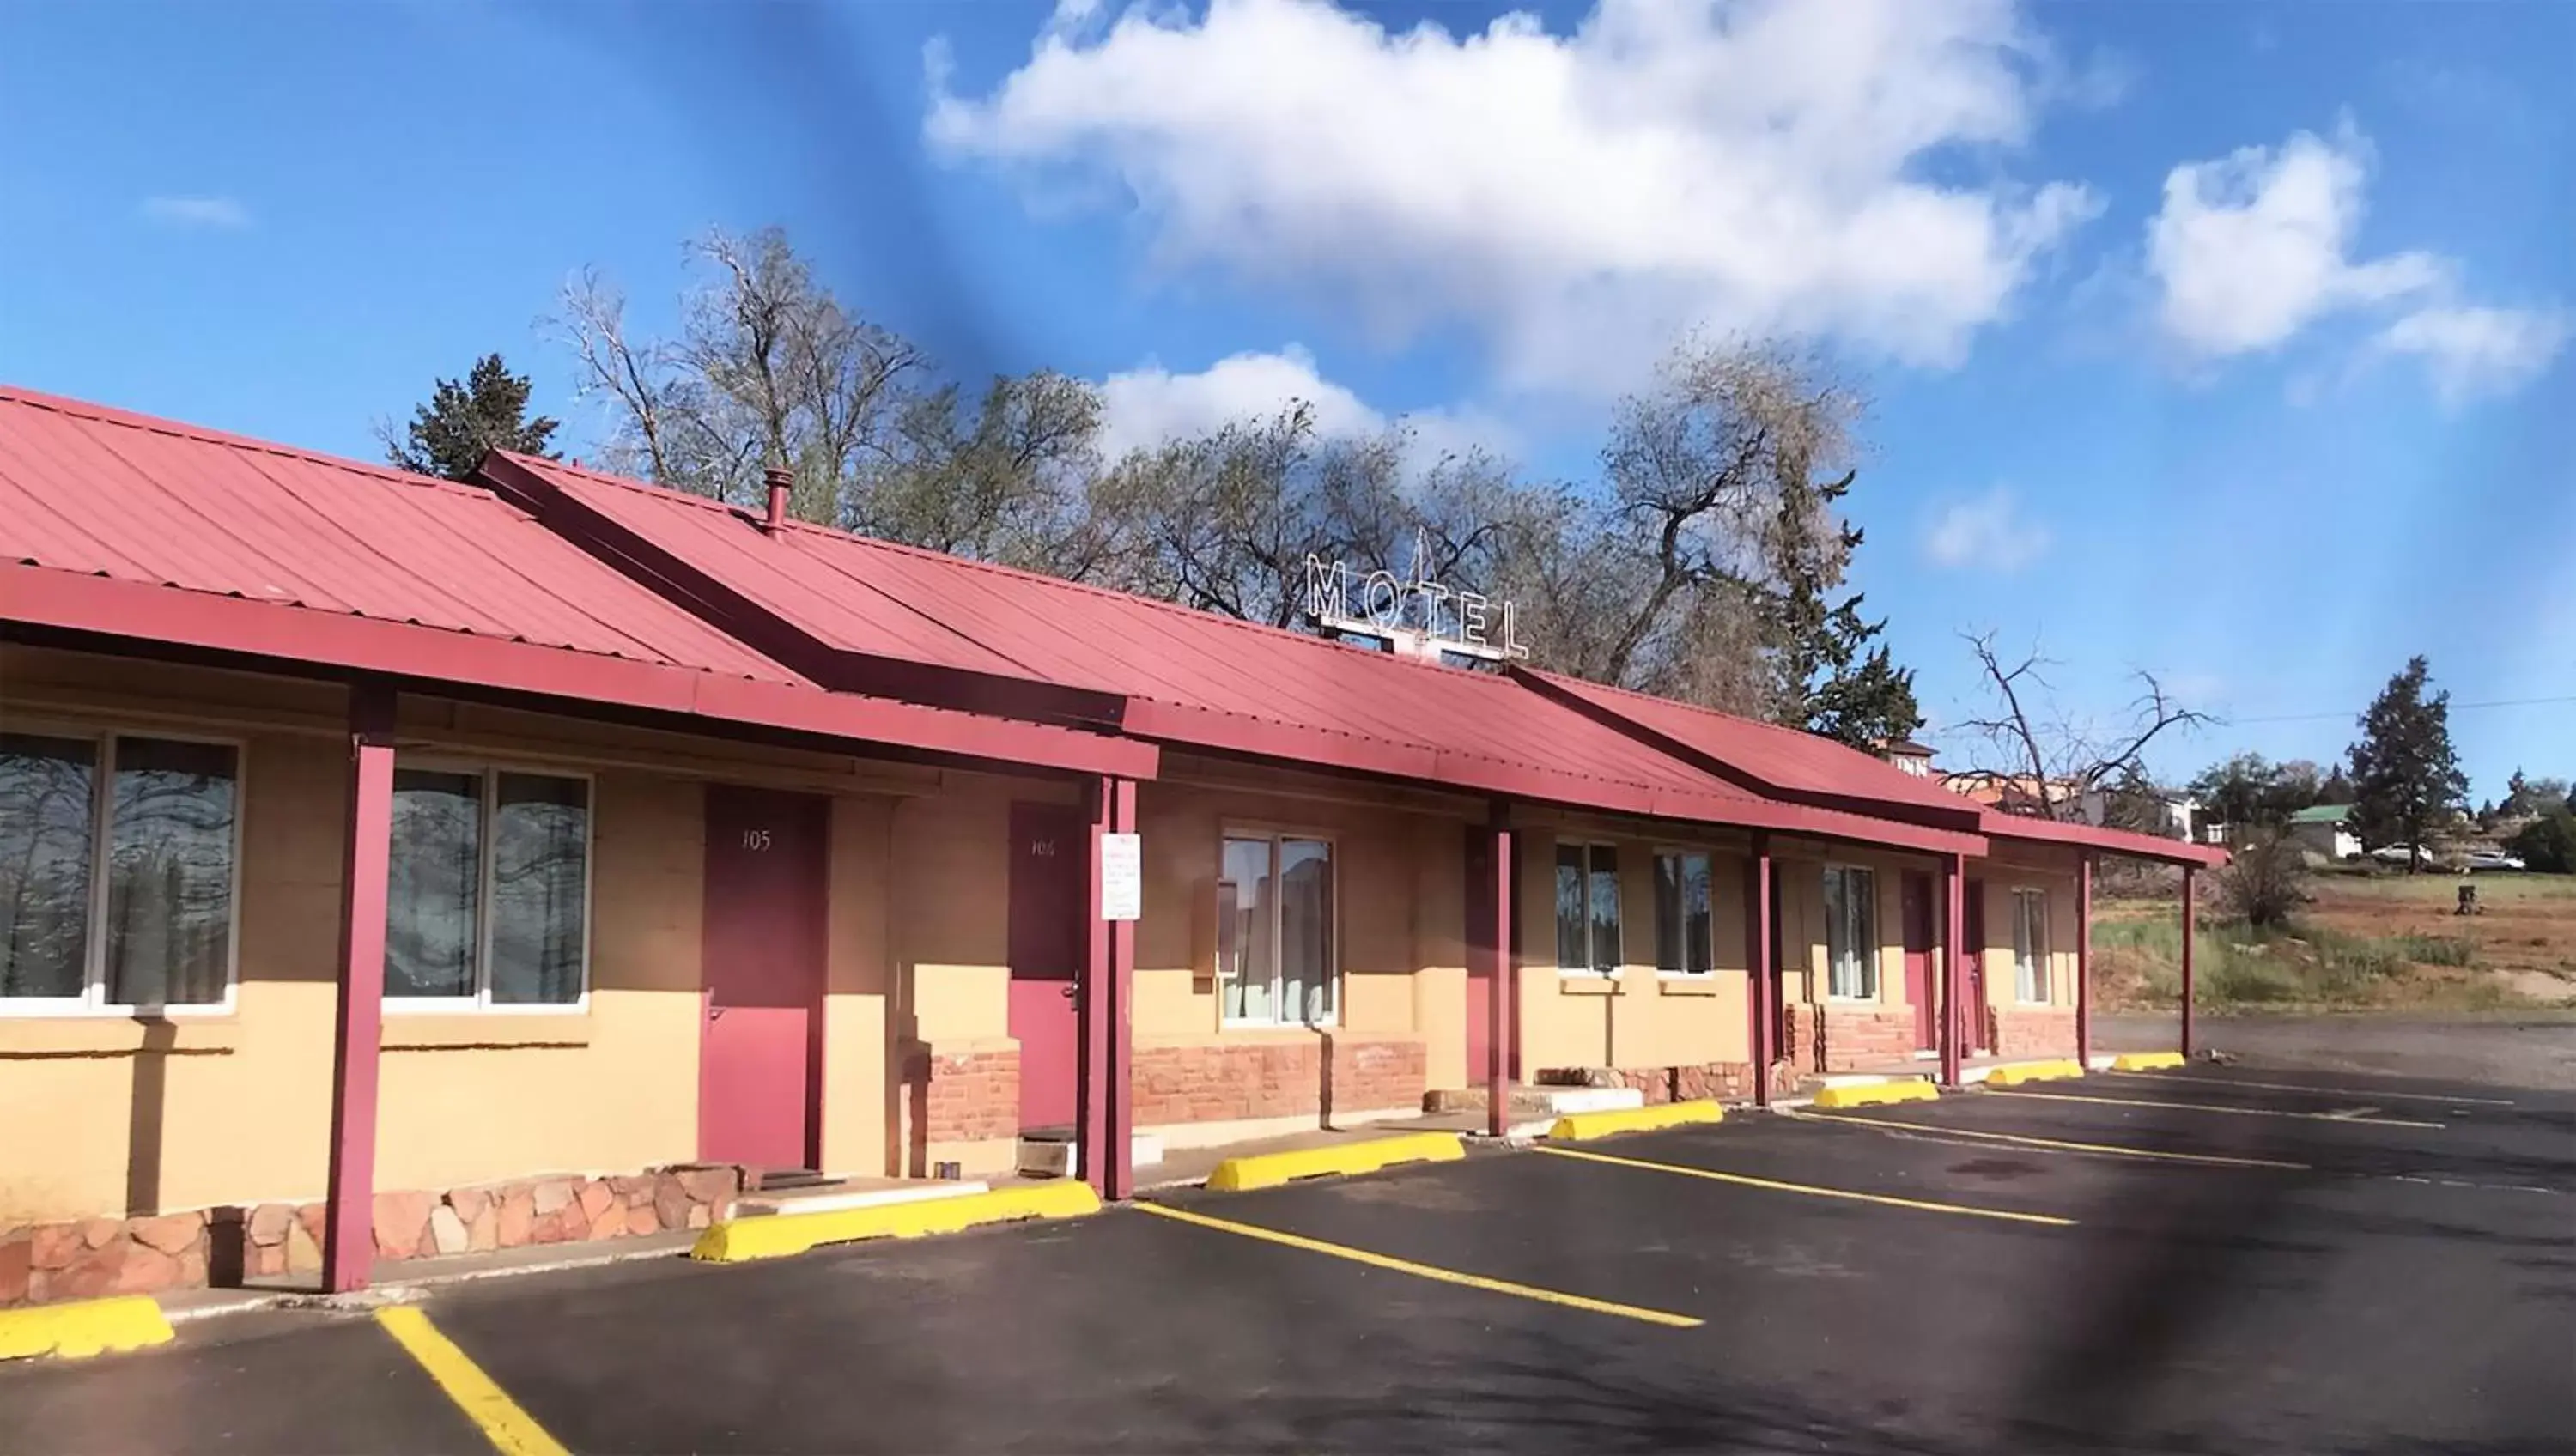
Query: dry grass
2363,943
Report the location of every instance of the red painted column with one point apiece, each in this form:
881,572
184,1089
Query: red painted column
349,1234
1104,1104
1122,1019
2084,965
2188,907
1954,967
1495,944
1091,1098
1762,983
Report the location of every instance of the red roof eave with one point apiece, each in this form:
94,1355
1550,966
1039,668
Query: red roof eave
76,602
2000,825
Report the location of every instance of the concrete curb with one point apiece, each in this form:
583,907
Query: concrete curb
1577,1127
2014,1074
1269,1170
2146,1061
1873,1094
82,1328
776,1235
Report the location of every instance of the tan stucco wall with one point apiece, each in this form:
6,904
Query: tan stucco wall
2000,881
237,1108
1801,869
1638,1018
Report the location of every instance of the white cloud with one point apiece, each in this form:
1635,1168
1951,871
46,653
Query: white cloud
1580,200
2251,248
1145,406
2476,351
1988,531
224,214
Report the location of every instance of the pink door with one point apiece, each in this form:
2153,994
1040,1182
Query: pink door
759,1066
1050,880
1916,894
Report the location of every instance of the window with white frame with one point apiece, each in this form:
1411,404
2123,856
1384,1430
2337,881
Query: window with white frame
1275,943
2030,944
119,871
1685,943
488,900
1851,933
1587,909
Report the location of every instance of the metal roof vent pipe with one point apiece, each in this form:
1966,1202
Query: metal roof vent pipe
780,483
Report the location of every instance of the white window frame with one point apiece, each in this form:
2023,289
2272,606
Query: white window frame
1613,971
1869,958
1685,851
2038,962
1332,979
481,1002
93,998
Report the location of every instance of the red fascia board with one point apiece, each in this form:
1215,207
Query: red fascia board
1999,825
737,615
1203,728
41,597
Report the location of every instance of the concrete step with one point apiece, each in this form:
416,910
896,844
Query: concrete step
1050,1153
832,1197
1537,1102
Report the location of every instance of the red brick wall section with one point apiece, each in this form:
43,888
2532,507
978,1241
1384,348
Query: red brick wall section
1861,1035
962,1096
221,1246
2034,1033
1242,1081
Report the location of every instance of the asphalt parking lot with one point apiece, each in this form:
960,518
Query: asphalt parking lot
2193,1261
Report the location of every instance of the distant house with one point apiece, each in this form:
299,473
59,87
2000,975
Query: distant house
2327,829
1908,755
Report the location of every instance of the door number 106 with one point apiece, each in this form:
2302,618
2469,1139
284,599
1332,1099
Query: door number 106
755,839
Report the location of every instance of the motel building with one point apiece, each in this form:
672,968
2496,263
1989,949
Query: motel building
393,868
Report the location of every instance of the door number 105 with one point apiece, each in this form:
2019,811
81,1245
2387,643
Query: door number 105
755,839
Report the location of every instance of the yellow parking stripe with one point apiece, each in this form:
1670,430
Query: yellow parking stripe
512,1431
2062,1145
1422,1271
1746,1180
2172,1081
2213,1107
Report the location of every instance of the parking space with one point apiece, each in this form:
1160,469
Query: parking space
1901,1279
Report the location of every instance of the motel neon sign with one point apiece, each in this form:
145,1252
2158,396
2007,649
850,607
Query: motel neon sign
1414,615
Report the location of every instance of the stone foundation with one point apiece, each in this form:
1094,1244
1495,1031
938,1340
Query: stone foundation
1245,1081
2032,1032
962,1094
224,1246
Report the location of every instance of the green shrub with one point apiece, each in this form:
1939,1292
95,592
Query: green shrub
2437,950
2548,844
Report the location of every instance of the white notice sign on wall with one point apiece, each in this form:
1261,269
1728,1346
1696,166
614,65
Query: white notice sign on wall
1122,877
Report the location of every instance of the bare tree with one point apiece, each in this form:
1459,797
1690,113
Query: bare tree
769,370
2044,762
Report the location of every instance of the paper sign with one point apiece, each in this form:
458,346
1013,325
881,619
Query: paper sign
1122,877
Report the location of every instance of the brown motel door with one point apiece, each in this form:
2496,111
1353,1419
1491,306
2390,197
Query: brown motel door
1917,896
758,1052
1049,881
1974,1037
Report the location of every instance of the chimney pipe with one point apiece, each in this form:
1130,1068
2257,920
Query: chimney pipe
780,483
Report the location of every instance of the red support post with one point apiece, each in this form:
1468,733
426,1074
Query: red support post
1954,967
2188,907
1489,944
1762,982
1105,1112
2084,965
348,1232
1122,1020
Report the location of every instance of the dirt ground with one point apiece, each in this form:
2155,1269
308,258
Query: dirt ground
2508,1049
2388,942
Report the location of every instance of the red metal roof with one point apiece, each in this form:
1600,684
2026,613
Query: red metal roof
1806,768
860,613
124,524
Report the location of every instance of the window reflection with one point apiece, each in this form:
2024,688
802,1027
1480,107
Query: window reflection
47,790
540,875
170,873
431,890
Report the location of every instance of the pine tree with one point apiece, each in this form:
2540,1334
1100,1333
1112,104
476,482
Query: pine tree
1834,678
448,436
2337,789
2406,776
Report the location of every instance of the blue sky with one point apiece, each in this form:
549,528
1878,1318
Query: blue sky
2229,342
